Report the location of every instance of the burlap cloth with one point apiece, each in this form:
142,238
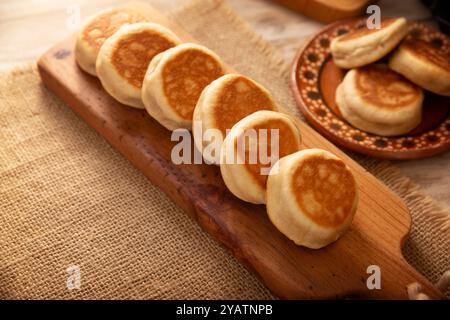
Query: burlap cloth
68,198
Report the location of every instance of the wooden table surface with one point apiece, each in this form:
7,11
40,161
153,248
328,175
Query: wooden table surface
30,27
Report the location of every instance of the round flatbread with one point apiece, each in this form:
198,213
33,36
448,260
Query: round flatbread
365,46
423,64
313,197
380,101
175,80
250,150
97,29
222,104
124,58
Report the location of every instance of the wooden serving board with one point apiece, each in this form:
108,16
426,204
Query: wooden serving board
327,10
380,226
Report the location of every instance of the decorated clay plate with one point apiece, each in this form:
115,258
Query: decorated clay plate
315,78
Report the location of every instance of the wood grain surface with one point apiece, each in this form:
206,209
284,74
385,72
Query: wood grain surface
379,229
327,10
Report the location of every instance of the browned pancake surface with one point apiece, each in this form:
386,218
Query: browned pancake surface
380,86
184,78
135,51
365,31
106,24
427,52
239,98
287,145
325,190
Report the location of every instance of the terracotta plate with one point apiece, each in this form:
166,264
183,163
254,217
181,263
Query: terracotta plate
315,77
